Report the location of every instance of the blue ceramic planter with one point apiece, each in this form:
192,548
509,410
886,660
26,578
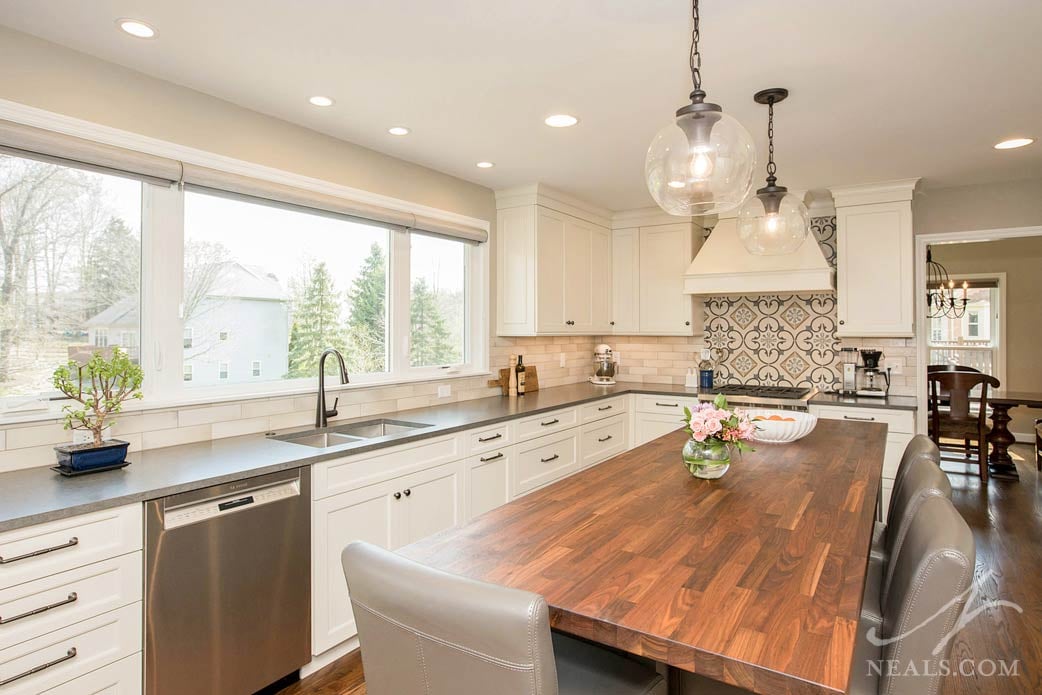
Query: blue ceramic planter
86,457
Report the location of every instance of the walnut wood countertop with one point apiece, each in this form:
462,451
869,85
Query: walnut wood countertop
754,579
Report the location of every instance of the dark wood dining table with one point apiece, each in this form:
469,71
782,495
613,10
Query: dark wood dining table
755,579
1001,401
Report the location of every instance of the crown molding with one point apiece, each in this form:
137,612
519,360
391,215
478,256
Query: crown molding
548,197
645,217
870,193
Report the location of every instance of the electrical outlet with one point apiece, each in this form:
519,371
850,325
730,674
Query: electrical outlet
564,362
895,369
618,358
444,391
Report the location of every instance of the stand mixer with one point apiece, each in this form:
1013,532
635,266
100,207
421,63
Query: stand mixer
605,361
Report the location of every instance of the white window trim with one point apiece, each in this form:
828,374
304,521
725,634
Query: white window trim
162,228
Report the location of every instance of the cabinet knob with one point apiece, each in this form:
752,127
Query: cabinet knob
612,323
842,322
408,492
397,495
687,323
569,323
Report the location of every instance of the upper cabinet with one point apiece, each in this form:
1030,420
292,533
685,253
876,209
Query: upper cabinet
554,265
648,266
875,271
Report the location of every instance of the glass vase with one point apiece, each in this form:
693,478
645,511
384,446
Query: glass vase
705,460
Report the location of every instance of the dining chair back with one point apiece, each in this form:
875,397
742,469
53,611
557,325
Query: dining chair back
930,369
960,421
427,632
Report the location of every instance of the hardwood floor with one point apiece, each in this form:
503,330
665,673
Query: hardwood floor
1006,519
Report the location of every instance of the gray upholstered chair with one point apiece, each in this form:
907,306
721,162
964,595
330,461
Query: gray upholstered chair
921,479
427,632
931,582
920,447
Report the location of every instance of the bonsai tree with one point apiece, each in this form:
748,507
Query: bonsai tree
101,387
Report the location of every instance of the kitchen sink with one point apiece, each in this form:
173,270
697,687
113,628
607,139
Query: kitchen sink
350,433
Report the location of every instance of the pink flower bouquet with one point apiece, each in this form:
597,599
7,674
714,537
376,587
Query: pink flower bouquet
716,426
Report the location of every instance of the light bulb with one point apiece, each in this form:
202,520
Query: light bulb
676,184
702,163
772,222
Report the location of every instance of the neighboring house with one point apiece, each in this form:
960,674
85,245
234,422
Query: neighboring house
237,333
119,325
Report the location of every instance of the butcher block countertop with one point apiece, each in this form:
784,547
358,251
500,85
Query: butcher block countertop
754,579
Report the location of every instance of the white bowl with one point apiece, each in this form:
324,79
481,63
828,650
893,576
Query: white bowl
780,432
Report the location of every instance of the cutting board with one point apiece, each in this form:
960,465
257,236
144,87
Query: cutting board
531,380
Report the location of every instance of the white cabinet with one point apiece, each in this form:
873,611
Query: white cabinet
431,502
875,260
650,426
900,430
553,273
659,415
603,439
648,266
488,480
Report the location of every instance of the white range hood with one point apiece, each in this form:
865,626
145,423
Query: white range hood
723,266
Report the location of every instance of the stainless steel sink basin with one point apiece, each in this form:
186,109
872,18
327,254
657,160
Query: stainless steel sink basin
349,433
371,429
318,440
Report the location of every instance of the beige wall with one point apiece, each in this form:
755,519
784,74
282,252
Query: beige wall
1021,260
985,206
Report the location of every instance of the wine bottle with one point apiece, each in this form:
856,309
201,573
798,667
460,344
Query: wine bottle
520,375
705,372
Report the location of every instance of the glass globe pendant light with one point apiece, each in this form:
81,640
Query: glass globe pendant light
701,163
772,222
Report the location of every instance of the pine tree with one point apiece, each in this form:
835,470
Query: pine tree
112,268
316,321
367,322
430,337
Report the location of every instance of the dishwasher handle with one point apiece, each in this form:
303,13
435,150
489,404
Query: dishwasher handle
221,500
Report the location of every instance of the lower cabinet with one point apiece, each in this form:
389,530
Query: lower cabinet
604,439
120,678
488,480
545,460
390,514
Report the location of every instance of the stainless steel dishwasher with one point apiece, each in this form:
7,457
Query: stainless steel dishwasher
228,586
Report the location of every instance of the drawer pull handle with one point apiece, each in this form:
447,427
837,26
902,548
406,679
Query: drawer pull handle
860,419
604,439
549,422
43,667
486,459
490,439
36,553
667,405
604,407
552,458
43,609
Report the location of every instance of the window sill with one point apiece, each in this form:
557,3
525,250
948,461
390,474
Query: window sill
54,409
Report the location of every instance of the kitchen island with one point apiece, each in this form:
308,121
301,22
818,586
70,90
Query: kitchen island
755,579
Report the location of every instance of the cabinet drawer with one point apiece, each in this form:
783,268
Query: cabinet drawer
665,405
120,678
45,549
68,597
71,651
488,480
352,472
489,438
902,421
540,425
545,460
602,409
604,439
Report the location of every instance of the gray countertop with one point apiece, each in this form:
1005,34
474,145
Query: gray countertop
891,402
36,495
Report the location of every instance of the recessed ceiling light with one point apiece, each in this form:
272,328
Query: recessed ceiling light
1014,143
321,101
486,165
137,28
398,130
561,120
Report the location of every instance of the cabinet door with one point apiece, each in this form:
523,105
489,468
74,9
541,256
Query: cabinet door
665,253
625,281
488,480
367,514
600,279
515,271
550,273
578,276
431,502
874,273
651,427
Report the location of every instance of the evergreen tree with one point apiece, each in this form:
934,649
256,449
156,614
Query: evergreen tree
316,321
367,321
112,269
430,338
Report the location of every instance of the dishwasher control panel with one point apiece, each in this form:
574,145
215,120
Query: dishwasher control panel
219,506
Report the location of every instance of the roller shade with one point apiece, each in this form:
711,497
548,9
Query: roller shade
57,148
38,143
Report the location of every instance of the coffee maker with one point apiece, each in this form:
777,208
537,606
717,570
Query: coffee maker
873,381
605,361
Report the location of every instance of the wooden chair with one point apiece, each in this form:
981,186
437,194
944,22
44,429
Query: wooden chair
934,368
959,421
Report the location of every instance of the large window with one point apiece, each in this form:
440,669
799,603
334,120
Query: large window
220,294
972,339
70,270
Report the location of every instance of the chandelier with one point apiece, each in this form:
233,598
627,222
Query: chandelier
940,292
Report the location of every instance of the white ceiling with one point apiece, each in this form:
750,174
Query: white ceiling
879,90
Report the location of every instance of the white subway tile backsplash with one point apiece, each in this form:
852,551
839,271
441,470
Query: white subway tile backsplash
3,440
158,420
38,435
209,414
296,419
31,457
236,428
173,437
268,406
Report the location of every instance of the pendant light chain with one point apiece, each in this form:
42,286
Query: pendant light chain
696,57
771,166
